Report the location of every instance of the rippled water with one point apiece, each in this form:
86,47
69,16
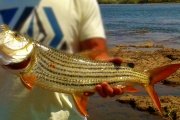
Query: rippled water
129,23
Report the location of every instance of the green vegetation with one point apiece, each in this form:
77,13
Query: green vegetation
136,1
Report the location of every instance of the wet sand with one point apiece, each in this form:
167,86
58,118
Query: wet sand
138,106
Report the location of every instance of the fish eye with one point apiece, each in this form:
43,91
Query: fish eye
16,34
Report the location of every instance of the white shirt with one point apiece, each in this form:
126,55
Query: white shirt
57,23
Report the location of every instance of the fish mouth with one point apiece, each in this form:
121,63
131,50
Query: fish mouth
20,65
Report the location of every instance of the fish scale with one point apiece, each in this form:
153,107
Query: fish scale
84,74
54,70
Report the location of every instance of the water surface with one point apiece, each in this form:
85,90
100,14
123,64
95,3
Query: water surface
131,23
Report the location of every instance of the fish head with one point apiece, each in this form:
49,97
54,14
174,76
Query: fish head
12,39
14,47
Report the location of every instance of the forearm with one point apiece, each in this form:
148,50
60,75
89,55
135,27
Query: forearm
94,48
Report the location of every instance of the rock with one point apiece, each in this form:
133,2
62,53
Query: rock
149,58
170,105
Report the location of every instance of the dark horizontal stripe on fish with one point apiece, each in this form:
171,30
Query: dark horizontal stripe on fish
59,65
78,65
66,83
70,59
80,74
72,79
84,70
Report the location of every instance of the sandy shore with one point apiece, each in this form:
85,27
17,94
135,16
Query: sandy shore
148,56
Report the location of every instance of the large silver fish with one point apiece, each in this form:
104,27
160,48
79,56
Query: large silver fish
57,71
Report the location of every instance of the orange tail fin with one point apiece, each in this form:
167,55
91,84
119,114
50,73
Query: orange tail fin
161,73
157,75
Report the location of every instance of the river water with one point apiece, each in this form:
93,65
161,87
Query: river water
131,24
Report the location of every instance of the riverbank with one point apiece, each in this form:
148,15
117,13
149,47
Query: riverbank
170,105
149,56
138,106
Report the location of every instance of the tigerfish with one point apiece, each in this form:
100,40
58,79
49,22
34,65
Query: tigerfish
39,65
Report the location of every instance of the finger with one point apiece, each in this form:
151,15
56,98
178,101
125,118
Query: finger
117,91
116,61
107,89
100,91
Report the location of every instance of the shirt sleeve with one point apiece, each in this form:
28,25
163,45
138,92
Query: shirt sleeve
91,21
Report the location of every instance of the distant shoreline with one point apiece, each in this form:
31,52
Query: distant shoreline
134,2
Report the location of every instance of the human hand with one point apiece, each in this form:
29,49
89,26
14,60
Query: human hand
105,90
97,50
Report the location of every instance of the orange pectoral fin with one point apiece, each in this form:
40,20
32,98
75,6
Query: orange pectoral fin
152,93
28,80
81,103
